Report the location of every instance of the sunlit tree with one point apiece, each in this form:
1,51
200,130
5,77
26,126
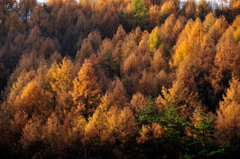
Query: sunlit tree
86,90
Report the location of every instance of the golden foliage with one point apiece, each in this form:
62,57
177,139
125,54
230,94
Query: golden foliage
120,35
143,44
150,132
47,48
227,56
189,41
209,21
85,52
98,130
155,39
116,95
60,75
86,90
32,100
128,46
218,29
52,133
106,46
159,61
137,101
154,15
190,9
182,95
17,88
236,35
147,84
126,126
168,8
32,132
234,4
132,63
227,122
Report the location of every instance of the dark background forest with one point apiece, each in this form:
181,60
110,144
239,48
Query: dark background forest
119,79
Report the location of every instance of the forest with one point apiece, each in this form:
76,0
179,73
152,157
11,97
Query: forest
123,79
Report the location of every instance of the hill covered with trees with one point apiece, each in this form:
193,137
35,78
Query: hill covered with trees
119,79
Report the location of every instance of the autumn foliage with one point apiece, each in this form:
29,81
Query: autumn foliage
119,79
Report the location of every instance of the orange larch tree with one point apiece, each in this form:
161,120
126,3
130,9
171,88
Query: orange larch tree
86,90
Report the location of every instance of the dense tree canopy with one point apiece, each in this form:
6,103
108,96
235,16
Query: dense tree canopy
119,79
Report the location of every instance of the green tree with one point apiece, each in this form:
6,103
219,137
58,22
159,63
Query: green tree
140,11
149,113
202,132
109,65
174,127
155,39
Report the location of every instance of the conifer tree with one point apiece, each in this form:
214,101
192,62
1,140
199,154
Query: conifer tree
86,90
140,11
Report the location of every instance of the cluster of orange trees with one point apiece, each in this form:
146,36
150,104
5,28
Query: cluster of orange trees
119,79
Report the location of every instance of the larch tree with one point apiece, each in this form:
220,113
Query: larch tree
202,9
181,97
60,79
126,129
109,24
234,7
17,88
35,41
117,95
32,100
94,38
178,27
76,132
227,53
16,127
13,23
148,3
155,39
167,28
189,9
154,16
236,23
168,8
26,62
227,122
40,18
137,102
143,44
189,41
120,35
159,61
218,28
60,75
86,90
52,136
82,26
32,135
133,63
106,46
98,131
147,84
47,48
209,21
85,52
128,45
